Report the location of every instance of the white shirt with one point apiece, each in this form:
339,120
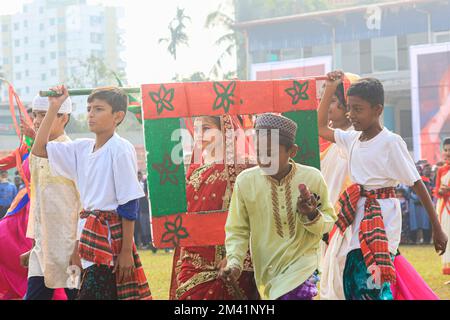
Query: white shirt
105,178
381,162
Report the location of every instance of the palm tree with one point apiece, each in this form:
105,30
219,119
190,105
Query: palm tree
178,35
229,41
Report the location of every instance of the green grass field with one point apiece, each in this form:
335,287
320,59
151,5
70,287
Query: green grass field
158,268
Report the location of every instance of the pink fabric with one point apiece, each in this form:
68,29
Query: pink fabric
410,285
13,277
13,243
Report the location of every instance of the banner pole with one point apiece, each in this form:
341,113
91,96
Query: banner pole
84,92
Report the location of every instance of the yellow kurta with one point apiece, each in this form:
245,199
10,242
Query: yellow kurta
284,245
52,223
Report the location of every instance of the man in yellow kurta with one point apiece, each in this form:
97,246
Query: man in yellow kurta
53,220
282,226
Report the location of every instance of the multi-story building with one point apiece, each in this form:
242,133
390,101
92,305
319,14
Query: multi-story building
47,42
370,40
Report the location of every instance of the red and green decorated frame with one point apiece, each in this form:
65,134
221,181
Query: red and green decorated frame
163,105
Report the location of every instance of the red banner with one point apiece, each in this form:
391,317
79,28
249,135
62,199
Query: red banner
179,100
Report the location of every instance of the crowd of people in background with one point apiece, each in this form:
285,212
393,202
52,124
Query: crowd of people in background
416,227
8,191
142,230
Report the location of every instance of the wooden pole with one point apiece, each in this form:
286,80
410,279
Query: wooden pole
85,92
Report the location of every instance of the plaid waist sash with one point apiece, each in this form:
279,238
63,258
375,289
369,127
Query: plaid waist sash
372,233
94,246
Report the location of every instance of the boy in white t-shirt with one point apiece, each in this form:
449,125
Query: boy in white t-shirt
370,214
105,171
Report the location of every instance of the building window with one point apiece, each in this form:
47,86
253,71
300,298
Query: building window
42,60
61,20
41,27
42,43
52,38
406,127
25,40
16,26
18,76
43,77
348,56
290,54
403,44
25,24
26,56
5,28
319,51
52,21
53,55
27,73
365,49
94,20
384,54
96,37
97,53
307,52
41,10
17,59
16,43
27,90
5,60
442,37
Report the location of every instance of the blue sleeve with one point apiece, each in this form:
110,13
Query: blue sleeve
15,191
129,210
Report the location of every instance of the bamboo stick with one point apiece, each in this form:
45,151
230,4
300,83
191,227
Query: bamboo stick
84,92
87,91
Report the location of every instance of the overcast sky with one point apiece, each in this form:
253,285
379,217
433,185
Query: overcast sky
144,23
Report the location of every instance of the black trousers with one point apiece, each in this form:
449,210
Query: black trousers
98,283
36,290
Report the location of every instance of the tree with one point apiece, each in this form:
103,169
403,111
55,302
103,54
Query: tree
229,41
178,35
195,77
93,72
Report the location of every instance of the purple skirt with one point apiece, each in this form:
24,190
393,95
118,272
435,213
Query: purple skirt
306,291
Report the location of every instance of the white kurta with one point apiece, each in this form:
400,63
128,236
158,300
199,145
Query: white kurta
52,223
334,168
381,162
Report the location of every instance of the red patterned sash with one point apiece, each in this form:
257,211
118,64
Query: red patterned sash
95,247
372,234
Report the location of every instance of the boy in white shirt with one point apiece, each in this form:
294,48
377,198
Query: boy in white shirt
378,162
105,170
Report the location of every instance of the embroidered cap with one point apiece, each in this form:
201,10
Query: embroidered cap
287,128
41,104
